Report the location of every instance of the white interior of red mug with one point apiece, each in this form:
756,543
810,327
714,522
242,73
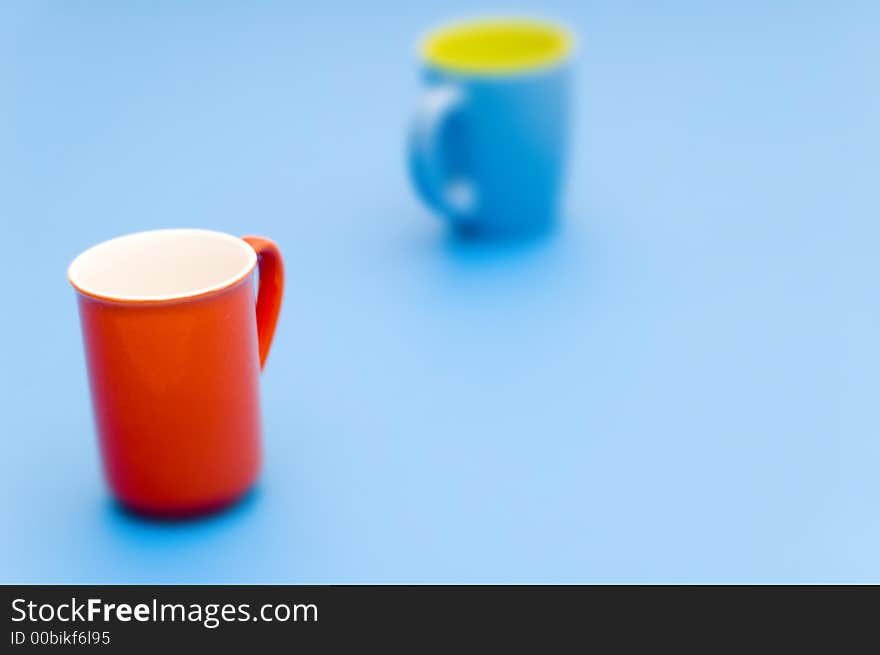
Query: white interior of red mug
162,265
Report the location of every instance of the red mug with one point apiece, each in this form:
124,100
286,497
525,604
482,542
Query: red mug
175,338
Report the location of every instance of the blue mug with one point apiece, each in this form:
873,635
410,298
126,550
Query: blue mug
487,147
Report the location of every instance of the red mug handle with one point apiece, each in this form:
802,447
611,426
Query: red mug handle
269,294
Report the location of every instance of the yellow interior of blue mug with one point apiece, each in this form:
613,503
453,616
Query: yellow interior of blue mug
497,46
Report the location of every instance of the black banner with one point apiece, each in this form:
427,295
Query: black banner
180,618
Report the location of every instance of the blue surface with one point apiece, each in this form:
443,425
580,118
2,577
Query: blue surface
681,384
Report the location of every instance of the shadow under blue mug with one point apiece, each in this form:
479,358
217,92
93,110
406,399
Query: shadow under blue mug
487,147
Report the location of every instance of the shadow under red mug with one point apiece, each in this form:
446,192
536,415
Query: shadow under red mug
175,339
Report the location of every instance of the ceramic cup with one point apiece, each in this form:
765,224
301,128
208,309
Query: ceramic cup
175,338
488,142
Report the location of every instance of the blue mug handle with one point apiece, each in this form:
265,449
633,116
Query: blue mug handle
454,198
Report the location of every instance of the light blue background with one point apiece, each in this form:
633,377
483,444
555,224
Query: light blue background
681,385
